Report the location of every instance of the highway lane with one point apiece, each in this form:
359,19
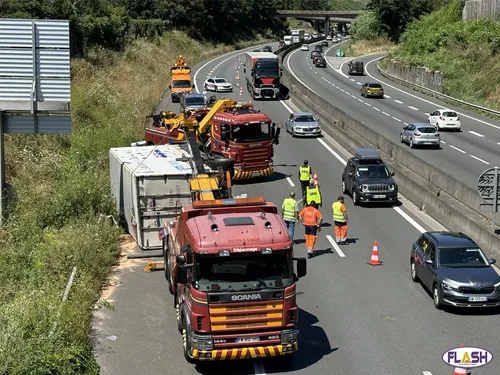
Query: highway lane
352,309
465,155
355,319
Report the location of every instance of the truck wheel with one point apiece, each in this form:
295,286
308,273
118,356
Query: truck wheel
187,347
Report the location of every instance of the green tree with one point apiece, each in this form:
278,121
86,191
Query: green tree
365,26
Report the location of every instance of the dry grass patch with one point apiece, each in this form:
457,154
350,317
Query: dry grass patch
366,47
61,187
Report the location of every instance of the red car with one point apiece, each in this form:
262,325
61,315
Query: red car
315,58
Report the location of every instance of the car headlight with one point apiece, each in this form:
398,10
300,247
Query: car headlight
392,187
289,336
201,342
449,285
497,285
364,187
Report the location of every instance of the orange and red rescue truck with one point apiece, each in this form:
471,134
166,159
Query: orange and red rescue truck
229,265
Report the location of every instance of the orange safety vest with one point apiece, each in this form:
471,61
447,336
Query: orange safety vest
311,216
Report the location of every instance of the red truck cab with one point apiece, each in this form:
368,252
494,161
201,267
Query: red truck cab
229,264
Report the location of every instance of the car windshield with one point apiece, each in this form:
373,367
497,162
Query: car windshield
304,118
251,132
181,84
195,101
462,257
243,271
450,114
220,80
427,130
373,171
375,85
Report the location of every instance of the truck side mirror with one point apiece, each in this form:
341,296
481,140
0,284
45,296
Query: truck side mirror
393,173
180,259
181,275
301,267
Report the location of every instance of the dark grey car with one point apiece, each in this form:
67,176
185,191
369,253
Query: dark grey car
456,271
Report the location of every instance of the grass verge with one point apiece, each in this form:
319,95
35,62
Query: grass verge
366,47
61,188
467,53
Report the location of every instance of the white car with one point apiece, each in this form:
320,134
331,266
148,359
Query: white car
329,37
445,119
304,47
217,84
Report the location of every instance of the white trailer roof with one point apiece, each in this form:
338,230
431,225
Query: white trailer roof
153,160
262,55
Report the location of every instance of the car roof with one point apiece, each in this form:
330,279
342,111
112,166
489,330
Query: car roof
422,125
193,94
302,114
374,83
367,153
451,239
446,110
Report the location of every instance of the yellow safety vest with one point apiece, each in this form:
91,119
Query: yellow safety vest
313,194
289,211
305,173
338,215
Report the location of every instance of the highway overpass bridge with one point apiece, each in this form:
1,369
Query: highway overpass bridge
341,17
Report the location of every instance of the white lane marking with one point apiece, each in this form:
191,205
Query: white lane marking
385,113
368,104
426,373
398,101
428,101
395,118
498,143
291,71
481,160
376,109
335,246
387,96
359,83
350,79
476,134
258,367
443,142
415,109
359,100
405,123
407,217
456,148
290,182
427,114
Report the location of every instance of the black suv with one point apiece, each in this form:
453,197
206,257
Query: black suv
454,268
318,47
320,62
367,179
356,67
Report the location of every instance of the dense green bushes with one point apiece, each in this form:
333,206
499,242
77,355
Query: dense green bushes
62,189
466,52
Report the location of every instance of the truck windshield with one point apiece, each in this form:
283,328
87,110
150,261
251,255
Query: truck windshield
251,132
245,271
267,69
195,101
181,84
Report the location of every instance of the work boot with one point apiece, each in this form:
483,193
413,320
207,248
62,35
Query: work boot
310,254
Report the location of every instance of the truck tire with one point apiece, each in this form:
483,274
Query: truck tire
167,264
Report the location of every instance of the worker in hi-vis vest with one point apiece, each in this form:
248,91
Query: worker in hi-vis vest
290,214
313,194
340,221
305,175
311,218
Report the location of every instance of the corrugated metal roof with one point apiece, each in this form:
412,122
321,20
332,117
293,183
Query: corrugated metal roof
46,124
17,33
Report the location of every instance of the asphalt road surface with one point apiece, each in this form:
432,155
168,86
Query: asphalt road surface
355,319
464,155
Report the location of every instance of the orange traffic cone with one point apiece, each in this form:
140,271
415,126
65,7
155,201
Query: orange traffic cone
315,178
237,75
374,261
241,91
459,371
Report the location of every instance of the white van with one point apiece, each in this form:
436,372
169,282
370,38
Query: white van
288,40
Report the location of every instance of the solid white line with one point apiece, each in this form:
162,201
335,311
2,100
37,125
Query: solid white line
337,156
335,246
425,100
481,160
415,109
398,101
407,217
291,71
456,148
476,134
258,367
290,182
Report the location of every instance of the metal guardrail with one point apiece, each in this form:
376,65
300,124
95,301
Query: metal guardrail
434,93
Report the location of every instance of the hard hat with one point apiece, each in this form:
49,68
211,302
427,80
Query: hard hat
306,162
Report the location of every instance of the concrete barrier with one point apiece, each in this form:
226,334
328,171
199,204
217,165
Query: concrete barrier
417,75
432,190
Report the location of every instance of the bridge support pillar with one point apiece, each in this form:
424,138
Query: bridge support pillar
327,26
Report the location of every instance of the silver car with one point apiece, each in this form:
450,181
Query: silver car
419,134
303,124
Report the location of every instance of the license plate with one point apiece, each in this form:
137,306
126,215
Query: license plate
478,299
255,174
379,196
248,339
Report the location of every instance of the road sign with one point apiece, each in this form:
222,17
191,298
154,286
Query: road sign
35,87
340,53
487,187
